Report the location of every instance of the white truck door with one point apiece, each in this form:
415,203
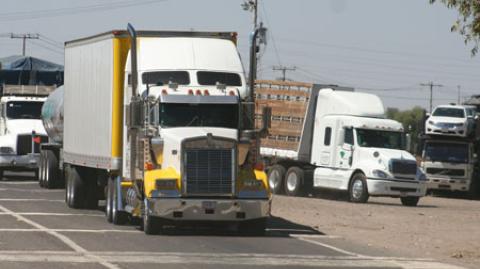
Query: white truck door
345,149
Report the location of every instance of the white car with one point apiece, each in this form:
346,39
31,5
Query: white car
453,120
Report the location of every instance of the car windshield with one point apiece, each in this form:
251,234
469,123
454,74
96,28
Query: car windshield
380,139
443,152
164,77
449,112
211,115
24,110
212,78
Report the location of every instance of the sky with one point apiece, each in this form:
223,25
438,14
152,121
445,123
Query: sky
385,47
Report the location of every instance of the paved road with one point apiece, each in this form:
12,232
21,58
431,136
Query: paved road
37,230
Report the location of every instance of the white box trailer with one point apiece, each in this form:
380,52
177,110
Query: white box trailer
343,142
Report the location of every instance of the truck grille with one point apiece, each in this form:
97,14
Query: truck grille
24,144
403,169
446,172
209,171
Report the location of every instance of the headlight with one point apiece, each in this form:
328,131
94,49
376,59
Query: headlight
6,150
380,174
166,184
431,122
458,124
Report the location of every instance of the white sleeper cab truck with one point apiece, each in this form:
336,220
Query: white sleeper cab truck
21,129
347,144
154,122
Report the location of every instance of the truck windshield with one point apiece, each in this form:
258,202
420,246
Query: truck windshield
24,110
164,77
212,78
446,152
205,115
449,112
380,139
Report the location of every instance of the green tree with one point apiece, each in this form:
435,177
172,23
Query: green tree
412,121
468,21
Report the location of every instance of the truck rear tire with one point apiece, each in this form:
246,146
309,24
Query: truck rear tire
41,169
293,182
275,178
358,191
410,201
50,174
119,217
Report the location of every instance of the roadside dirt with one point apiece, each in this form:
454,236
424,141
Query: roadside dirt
445,229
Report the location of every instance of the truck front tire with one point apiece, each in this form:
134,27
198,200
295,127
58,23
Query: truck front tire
275,178
151,225
293,183
119,217
358,191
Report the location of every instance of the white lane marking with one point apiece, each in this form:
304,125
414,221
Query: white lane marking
30,190
346,252
219,258
29,200
19,182
70,230
314,236
61,237
54,214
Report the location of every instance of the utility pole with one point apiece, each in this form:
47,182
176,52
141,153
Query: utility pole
458,89
24,37
431,85
251,5
284,70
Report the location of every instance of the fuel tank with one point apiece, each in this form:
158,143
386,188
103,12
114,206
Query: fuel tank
52,115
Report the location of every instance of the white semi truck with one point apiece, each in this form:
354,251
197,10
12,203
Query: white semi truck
21,129
344,143
156,123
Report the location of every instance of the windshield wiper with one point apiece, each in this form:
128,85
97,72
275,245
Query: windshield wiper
193,120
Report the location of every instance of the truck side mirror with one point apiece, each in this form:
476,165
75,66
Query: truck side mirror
135,114
341,136
408,142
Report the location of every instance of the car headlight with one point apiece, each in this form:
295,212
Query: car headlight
166,184
380,174
6,150
458,124
431,122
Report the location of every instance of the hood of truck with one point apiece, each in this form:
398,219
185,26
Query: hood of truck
173,138
25,126
384,156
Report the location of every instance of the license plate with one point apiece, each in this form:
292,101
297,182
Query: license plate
209,204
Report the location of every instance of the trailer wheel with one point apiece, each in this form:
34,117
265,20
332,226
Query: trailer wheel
50,172
358,191
109,201
76,188
119,217
275,178
294,181
410,201
151,225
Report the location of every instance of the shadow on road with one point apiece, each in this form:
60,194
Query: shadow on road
276,227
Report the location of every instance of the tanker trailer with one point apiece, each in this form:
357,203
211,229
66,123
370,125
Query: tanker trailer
50,166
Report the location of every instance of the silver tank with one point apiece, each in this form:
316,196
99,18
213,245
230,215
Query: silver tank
52,115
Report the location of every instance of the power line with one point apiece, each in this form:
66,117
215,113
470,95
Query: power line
37,14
